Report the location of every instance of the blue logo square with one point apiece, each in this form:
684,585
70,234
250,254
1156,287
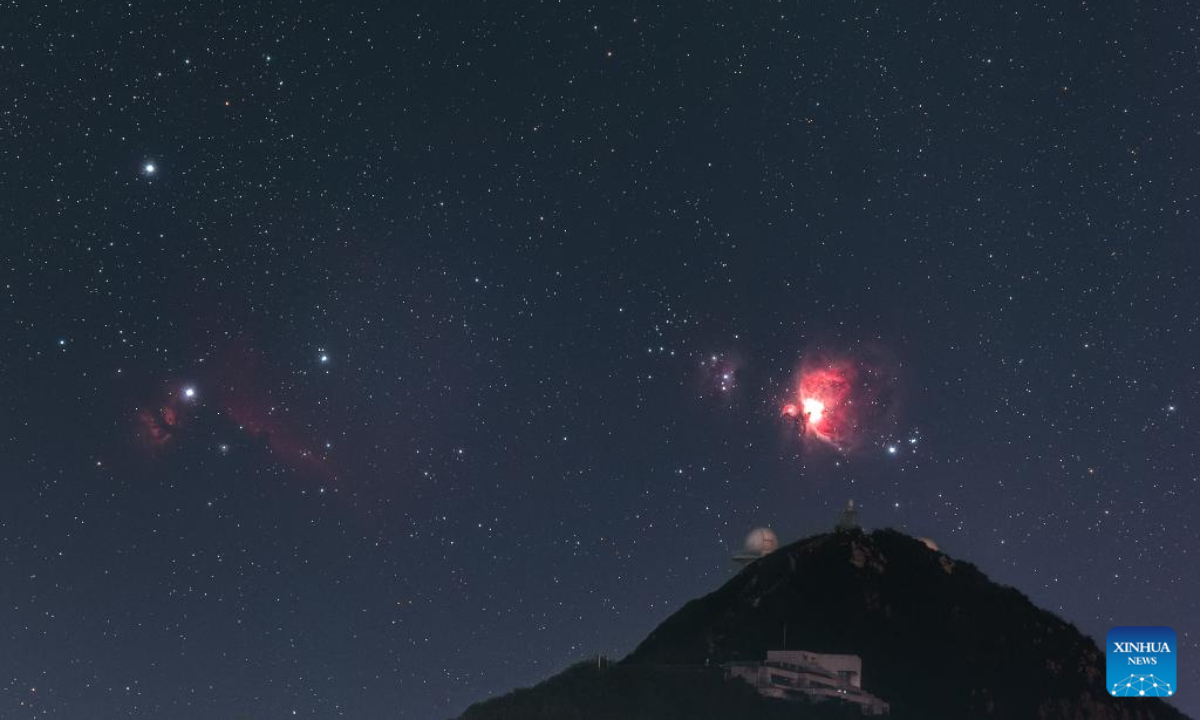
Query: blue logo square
1140,661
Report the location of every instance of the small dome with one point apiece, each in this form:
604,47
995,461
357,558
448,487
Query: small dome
929,544
761,541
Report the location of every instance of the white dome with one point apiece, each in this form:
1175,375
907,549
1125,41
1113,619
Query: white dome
760,541
929,543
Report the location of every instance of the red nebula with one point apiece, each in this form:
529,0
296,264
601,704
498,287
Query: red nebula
826,403
246,400
839,400
157,427
275,433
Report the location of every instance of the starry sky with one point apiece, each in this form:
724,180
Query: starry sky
368,360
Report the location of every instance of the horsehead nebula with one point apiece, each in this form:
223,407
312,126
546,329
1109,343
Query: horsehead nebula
838,401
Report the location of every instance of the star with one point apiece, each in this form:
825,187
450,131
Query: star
189,393
149,168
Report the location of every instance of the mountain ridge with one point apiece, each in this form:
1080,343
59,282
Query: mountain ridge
937,638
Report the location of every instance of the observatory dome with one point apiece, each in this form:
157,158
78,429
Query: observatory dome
929,543
760,541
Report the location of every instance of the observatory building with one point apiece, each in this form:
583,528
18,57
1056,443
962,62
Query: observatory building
761,541
799,674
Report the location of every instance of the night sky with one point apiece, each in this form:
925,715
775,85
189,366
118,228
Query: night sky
369,361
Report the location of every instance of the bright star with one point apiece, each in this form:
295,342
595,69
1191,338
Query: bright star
189,393
149,168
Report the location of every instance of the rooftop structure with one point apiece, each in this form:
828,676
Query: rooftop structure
796,674
849,520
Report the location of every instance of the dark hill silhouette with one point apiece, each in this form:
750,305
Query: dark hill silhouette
646,692
937,639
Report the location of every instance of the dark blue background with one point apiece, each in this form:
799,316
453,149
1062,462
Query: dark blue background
517,231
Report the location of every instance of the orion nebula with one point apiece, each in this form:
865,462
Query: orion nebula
839,400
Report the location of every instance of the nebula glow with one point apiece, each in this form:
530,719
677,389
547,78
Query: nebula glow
837,400
157,427
814,410
826,403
